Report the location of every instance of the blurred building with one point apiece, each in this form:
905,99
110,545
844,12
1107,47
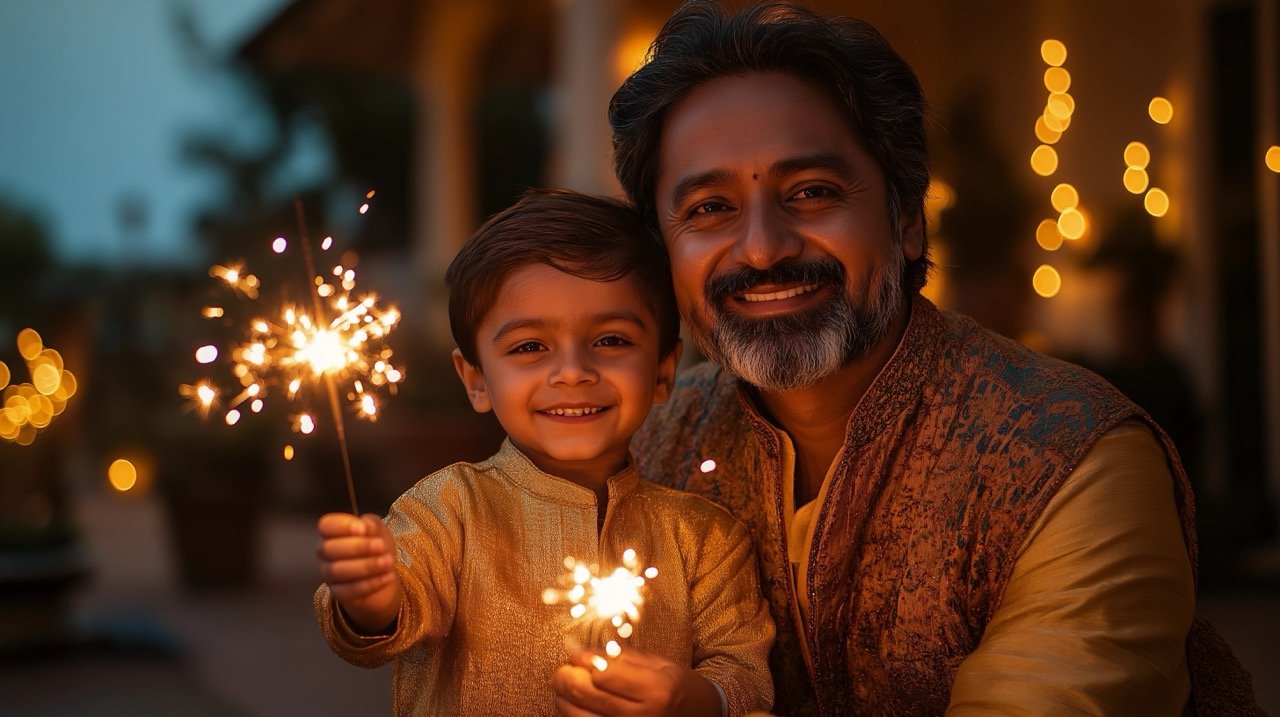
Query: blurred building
1179,304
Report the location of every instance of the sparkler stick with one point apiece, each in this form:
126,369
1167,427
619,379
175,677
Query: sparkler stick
601,603
304,348
331,389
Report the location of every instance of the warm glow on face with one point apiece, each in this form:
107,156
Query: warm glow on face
1046,281
1072,224
1044,161
1136,180
1053,52
1064,197
1156,202
1160,110
122,474
1048,236
1136,155
1272,158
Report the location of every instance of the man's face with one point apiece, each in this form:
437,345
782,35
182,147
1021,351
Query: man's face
784,257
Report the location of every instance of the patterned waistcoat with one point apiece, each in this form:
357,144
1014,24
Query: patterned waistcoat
948,461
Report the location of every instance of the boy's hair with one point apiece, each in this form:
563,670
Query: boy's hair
587,236
877,90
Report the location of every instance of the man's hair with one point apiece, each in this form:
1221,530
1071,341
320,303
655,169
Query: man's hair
848,58
588,236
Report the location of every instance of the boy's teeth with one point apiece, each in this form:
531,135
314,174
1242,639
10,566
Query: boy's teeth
779,295
573,411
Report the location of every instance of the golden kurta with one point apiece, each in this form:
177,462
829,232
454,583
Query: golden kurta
476,545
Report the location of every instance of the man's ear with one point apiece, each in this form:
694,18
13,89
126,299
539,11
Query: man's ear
911,229
667,373
473,380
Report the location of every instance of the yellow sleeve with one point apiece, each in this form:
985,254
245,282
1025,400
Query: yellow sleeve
1096,613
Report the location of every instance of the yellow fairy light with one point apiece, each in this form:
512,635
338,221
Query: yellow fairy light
1057,79
1156,202
1053,52
1136,180
1272,158
1045,133
122,474
1048,236
207,354
1044,161
288,452
1060,105
1136,155
1064,197
1160,110
1071,223
1046,281
27,408
279,245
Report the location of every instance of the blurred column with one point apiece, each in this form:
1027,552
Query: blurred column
587,33
1268,44
450,39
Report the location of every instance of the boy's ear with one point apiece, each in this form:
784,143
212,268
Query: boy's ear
667,373
473,380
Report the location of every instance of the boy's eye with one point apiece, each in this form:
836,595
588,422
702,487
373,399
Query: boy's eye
525,347
613,341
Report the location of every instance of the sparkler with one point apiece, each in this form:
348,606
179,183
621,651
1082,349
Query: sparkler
599,603
337,340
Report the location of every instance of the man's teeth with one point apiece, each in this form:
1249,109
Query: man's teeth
574,411
779,295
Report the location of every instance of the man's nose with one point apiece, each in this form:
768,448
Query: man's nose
766,236
574,365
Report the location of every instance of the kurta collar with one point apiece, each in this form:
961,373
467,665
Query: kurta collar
894,389
528,477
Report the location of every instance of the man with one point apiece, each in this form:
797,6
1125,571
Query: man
946,521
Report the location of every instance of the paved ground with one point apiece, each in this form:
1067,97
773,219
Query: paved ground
152,648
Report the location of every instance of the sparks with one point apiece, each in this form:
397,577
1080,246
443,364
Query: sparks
602,603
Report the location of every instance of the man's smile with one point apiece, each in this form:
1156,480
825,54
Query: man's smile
758,296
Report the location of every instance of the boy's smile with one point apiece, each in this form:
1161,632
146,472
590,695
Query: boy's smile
570,367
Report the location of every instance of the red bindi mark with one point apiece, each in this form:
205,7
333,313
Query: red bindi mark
755,176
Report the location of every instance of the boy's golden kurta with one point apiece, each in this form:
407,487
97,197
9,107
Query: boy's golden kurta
478,543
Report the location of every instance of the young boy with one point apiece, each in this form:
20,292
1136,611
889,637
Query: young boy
566,326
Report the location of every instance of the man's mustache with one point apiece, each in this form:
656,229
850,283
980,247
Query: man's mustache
786,271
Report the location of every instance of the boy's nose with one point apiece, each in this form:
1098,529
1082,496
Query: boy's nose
766,237
574,367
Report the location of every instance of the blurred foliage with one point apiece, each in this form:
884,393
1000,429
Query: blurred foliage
25,258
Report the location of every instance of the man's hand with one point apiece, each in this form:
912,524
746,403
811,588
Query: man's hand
357,562
634,683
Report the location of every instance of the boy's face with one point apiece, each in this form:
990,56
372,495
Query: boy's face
570,367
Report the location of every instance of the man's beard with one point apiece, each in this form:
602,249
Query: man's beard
787,352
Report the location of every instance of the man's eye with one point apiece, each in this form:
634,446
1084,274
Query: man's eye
709,207
526,347
813,192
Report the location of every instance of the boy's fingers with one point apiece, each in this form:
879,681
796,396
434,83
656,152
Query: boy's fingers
349,571
336,525
346,548
346,592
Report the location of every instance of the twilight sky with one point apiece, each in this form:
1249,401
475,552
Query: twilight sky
95,96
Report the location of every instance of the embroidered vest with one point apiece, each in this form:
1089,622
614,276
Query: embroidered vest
949,459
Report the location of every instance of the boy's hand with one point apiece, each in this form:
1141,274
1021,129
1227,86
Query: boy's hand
635,683
357,562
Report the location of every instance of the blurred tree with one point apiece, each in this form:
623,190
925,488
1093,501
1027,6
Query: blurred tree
25,261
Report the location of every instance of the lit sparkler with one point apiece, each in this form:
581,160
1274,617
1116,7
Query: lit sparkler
340,340
600,604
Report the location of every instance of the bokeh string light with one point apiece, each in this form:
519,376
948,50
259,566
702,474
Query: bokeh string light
339,340
30,407
604,608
